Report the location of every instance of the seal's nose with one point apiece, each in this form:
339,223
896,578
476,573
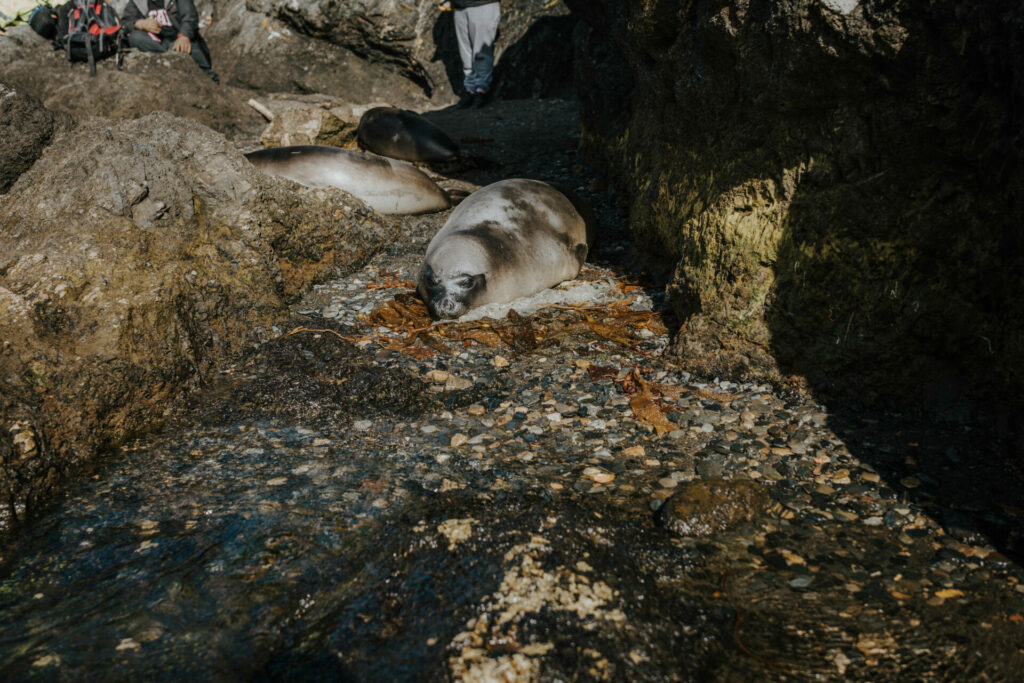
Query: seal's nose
446,307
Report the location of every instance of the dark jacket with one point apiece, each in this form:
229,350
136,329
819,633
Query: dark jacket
182,12
465,4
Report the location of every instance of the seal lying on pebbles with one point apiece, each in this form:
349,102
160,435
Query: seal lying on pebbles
403,134
386,185
507,240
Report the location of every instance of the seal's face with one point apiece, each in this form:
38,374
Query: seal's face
449,296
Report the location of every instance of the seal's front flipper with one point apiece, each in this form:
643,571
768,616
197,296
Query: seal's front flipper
580,251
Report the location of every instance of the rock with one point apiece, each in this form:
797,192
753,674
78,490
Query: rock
780,231
711,467
414,41
308,126
149,82
253,50
173,258
26,128
702,508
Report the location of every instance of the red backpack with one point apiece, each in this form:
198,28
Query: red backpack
88,30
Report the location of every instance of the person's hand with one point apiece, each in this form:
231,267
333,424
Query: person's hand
148,24
182,44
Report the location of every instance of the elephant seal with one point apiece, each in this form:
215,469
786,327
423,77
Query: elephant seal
506,240
386,185
403,134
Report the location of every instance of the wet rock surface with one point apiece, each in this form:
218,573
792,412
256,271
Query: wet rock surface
703,508
352,500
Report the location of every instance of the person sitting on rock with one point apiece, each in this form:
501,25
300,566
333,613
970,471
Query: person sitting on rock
163,25
476,26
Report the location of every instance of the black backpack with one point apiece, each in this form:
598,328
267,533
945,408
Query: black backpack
88,30
44,21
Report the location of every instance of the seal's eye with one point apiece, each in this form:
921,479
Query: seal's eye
465,282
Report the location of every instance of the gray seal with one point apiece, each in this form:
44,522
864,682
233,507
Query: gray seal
386,185
403,134
507,240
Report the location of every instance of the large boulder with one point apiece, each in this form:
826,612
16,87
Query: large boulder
135,257
837,184
417,40
260,52
26,128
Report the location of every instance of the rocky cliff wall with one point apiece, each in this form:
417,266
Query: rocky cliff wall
835,184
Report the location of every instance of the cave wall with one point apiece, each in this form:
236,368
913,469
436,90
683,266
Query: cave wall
835,184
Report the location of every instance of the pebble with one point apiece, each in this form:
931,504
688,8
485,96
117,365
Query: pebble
499,362
362,425
668,482
438,376
457,384
458,439
127,644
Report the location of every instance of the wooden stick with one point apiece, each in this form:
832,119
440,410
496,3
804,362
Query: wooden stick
267,114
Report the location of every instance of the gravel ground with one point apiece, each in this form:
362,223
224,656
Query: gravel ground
357,502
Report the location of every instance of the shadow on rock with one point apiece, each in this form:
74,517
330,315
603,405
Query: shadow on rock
846,214
312,375
472,587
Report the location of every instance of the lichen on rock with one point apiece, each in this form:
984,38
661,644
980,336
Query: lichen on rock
833,186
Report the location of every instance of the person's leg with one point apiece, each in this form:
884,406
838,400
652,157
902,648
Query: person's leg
483,29
465,44
201,56
143,41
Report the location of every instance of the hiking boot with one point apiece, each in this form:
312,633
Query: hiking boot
480,99
466,101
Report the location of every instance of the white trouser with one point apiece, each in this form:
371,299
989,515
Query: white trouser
476,28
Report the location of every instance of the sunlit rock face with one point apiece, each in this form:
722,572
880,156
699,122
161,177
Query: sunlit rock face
135,258
834,184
